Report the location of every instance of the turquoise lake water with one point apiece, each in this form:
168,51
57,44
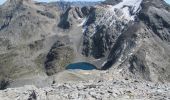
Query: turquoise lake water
81,65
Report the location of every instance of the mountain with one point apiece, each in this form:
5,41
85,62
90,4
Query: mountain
140,46
127,40
112,2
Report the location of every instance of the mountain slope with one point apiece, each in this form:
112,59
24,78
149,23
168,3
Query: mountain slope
144,47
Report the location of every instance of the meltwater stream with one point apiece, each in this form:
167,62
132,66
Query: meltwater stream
81,65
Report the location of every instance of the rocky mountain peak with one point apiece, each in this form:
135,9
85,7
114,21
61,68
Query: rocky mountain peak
156,3
129,7
112,2
18,2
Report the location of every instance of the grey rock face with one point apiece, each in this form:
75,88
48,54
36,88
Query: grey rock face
74,13
157,18
60,55
138,65
64,23
3,84
101,32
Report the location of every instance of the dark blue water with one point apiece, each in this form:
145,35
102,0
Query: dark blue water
81,65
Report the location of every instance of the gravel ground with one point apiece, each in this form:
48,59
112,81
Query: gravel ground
91,90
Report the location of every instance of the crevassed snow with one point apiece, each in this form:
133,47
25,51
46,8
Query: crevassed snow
124,6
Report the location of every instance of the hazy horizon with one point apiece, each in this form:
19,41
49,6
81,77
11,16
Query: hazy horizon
2,1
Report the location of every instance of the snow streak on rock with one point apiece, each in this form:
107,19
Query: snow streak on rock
129,8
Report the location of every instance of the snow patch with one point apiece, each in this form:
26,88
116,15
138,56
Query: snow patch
97,60
104,63
83,22
129,8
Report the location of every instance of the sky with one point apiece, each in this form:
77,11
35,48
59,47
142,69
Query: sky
168,1
2,1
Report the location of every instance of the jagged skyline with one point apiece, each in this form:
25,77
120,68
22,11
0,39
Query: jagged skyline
2,1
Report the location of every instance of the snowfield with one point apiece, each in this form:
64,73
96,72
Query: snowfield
129,8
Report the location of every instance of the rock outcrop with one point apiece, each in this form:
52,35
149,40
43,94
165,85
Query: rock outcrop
59,57
107,90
